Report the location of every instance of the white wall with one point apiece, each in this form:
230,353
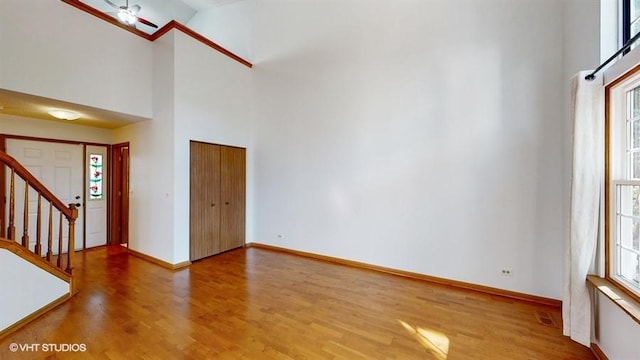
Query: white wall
151,197
199,94
51,49
212,104
228,26
420,135
617,333
37,288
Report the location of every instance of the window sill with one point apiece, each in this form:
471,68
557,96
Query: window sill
628,304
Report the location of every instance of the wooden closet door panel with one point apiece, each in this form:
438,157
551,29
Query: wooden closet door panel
204,196
232,220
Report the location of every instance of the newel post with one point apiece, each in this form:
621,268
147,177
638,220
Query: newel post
71,250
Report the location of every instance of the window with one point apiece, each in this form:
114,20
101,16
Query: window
623,195
95,176
630,20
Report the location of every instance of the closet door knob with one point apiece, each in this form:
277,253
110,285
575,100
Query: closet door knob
226,203
212,205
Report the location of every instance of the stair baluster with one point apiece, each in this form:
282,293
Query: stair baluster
59,262
50,235
11,230
25,216
38,248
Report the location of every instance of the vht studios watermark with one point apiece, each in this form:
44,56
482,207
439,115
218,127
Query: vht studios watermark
13,347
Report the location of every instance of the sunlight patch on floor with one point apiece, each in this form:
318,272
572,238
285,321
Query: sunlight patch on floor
434,341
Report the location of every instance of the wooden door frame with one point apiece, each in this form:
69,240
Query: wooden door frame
114,206
3,175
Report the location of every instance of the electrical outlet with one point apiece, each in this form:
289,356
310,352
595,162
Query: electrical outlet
506,272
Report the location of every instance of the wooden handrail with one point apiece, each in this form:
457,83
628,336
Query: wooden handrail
20,170
185,30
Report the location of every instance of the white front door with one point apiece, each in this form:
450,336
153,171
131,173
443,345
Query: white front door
60,168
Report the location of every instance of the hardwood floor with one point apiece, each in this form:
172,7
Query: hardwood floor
260,304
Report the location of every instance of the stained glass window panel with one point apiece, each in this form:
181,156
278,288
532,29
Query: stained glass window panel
95,177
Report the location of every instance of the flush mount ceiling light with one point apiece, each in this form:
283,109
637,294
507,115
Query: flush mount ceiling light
64,114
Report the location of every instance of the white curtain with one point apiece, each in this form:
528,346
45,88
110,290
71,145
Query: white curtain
586,217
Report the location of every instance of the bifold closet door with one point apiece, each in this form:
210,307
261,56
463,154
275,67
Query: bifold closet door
217,196
232,193
204,195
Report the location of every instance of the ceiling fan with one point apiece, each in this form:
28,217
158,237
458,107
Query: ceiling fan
128,15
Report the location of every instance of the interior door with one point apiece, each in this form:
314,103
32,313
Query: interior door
124,204
232,191
204,197
59,167
96,196
119,232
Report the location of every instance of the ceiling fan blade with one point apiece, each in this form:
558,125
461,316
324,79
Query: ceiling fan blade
112,4
147,22
134,8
